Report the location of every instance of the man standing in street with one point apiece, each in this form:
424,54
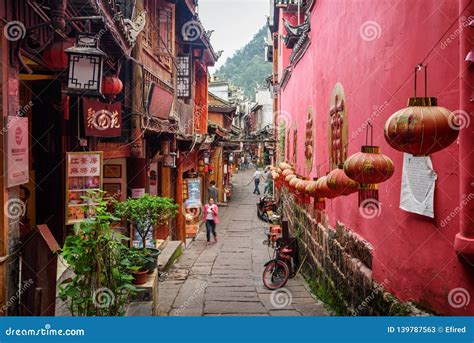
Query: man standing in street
212,191
257,176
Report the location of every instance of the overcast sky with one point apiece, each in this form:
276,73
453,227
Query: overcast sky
234,22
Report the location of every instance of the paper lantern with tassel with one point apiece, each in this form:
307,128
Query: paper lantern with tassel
324,190
422,128
301,189
369,168
338,181
312,191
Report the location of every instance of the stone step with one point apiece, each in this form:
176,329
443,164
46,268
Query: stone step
169,254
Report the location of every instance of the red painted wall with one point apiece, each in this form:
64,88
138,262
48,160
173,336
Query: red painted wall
413,253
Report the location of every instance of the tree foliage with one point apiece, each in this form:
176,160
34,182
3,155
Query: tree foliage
247,68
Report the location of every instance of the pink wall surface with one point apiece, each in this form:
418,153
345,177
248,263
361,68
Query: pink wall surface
413,255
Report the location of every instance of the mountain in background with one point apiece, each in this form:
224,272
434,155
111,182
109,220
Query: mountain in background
247,67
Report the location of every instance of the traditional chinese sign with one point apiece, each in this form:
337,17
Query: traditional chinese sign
101,119
84,173
17,151
337,127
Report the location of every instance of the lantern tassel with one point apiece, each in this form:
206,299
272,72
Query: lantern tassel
368,195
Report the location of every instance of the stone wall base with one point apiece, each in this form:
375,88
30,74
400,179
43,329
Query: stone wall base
338,264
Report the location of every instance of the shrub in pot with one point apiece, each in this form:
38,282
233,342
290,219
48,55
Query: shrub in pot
101,283
144,213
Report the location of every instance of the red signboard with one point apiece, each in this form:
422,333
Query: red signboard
101,119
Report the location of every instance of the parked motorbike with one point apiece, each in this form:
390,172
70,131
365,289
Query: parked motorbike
266,210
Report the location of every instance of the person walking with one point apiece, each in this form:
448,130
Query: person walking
256,178
211,214
268,182
212,191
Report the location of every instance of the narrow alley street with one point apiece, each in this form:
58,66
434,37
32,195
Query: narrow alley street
225,278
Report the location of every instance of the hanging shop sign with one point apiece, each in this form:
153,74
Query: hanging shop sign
101,119
84,174
17,166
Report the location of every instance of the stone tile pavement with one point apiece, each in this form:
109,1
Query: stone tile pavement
224,279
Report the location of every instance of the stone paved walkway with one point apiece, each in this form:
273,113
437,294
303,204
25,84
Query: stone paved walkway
225,278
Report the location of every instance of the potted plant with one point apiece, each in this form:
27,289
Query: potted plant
144,213
101,283
138,261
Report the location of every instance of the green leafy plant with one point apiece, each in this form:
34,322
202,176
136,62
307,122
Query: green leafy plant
101,283
145,212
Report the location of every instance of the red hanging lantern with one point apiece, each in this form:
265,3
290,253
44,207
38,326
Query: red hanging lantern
301,190
338,181
311,190
369,168
292,183
324,190
284,165
111,86
422,128
56,57
288,178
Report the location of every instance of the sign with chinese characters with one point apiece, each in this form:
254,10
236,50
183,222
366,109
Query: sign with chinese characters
16,165
84,174
101,119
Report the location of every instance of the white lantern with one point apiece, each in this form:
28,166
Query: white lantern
85,66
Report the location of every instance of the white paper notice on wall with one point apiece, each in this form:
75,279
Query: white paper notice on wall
418,185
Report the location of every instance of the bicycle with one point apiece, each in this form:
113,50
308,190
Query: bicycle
278,270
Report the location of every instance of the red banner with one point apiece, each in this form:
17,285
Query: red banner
101,119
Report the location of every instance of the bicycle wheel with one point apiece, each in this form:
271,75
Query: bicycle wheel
275,274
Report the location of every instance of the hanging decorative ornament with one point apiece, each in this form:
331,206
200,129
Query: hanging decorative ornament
288,178
287,172
284,166
292,183
301,191
338,181
324,190
369,168
422,128
311,190
111,86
